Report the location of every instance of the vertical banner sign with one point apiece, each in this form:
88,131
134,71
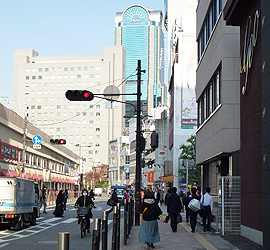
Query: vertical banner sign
189,105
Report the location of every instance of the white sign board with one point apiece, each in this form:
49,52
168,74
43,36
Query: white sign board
36,146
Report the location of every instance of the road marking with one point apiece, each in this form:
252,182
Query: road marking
69,220
41,218
51,220
4,245
200,238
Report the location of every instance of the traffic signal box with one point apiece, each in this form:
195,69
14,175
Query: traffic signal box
79,95
58,141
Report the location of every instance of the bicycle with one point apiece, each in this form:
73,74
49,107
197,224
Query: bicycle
82,212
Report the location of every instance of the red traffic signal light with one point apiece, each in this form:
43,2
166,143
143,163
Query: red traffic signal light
58,141
79,95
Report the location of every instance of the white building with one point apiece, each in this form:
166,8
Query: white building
180,23
41,82
119,161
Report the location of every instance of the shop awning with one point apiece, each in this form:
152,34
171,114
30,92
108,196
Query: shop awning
13,173
5,172
40,177
28,176
168,179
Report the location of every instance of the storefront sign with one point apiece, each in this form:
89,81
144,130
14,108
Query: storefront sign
250,42
9,152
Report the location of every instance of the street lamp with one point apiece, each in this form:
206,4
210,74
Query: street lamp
80,154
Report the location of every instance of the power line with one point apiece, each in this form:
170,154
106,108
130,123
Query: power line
55,123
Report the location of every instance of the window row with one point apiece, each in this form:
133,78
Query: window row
60,84
43,122
210,21
62,69
64,107
210,98
78,76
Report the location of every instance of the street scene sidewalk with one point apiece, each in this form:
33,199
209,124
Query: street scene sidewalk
184,239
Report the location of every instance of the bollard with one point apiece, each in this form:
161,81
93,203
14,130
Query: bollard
118,227
132,211
125,222
114,229
104,230
129,215
63,241
96,234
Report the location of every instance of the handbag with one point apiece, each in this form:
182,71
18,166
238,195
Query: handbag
179,218
142,214
111,202
194,205
167,219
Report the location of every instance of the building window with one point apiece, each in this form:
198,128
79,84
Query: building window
39,107
210,98
85,68
72,69
33,107
97,129
97,113
27,77
84,113
40,70
210,21
58,106
65,69
46,69
91,75
33,77
98,106
79,68
78,76
98,68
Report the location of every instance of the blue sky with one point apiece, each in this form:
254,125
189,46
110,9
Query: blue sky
57,28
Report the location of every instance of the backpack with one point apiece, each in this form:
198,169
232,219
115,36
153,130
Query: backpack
194,205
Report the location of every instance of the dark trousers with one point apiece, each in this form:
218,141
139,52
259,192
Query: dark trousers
187,213
207,216
193,219
173,218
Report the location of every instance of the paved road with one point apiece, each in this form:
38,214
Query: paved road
44,235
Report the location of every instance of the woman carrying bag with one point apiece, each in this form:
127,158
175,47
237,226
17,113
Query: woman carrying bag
150,213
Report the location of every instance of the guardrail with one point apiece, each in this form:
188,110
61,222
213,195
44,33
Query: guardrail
97,241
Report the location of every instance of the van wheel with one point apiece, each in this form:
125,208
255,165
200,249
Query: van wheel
20,224
33,220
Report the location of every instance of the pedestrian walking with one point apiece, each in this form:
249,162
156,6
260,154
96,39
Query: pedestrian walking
126,194
193,214
161,197
43,199
92,194
207,204
174,207
59,207
167,196
150,213
114,200
65,195
157,195
185,202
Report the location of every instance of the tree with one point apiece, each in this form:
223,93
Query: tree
188,152
99,175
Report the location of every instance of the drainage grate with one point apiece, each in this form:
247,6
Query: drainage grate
48,242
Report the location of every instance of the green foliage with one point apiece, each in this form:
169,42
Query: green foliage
105,185
101,184
188,152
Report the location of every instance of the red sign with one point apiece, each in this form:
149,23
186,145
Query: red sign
162,153
150,177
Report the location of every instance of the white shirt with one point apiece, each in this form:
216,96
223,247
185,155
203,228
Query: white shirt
207,200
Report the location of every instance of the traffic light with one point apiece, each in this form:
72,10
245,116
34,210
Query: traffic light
79,95
58,141
151,163
154,140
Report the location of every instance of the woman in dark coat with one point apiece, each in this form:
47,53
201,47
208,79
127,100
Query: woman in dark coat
59,207
150,211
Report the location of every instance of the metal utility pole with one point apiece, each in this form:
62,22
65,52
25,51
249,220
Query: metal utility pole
138,148
24,140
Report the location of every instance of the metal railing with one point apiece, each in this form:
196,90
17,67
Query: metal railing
97,241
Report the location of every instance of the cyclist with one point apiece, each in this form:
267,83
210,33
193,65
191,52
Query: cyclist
85,201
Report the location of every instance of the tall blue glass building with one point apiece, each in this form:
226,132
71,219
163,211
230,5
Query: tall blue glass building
138,30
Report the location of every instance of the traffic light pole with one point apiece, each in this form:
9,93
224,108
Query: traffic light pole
138,149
